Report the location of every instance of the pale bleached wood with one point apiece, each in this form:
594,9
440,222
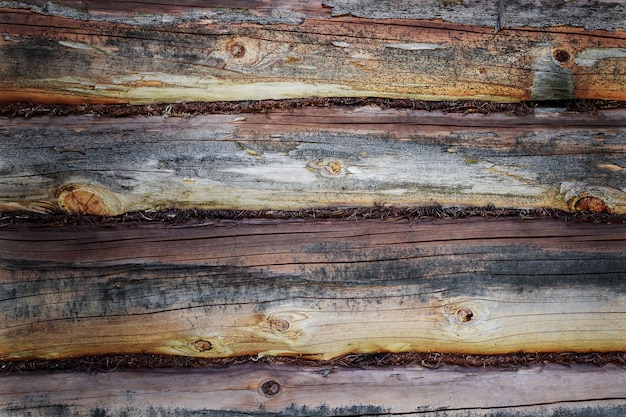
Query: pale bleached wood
238,390
313,157
316,288
159,53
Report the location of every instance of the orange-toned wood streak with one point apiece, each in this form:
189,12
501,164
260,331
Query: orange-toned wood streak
60,59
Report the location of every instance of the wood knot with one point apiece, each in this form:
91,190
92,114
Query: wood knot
202,345
236,49
561,56
334,167
579,196
463,315
88,199
279,325
270,388
287,324
330,169
245,54
592,204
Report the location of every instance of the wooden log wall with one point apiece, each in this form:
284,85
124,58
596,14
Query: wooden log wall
314,289
292,285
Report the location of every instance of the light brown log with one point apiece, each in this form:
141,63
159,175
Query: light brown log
319,289
277,390
79,53
314,157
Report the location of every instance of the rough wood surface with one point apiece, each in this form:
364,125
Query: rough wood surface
314,157
314,288
78,52
604,15
291,391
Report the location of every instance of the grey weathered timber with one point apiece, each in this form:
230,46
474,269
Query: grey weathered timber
597,15
313,157
318,289
291,391
606,15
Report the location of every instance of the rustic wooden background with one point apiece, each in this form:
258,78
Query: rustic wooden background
77,284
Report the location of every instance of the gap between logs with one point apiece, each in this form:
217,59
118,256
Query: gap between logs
262,106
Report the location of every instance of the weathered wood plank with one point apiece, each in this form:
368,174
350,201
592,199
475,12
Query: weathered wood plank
263,390
317,288
61,54
605,15
313,157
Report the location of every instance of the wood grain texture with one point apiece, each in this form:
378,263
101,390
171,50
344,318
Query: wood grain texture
243,390
318,289
605,15
314,157
75,53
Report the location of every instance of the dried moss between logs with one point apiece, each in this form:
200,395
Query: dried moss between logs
427,360
261,106
382,212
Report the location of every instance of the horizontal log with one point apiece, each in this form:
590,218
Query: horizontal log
608,15
101,53
275,391
605,15
318,289
314,157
